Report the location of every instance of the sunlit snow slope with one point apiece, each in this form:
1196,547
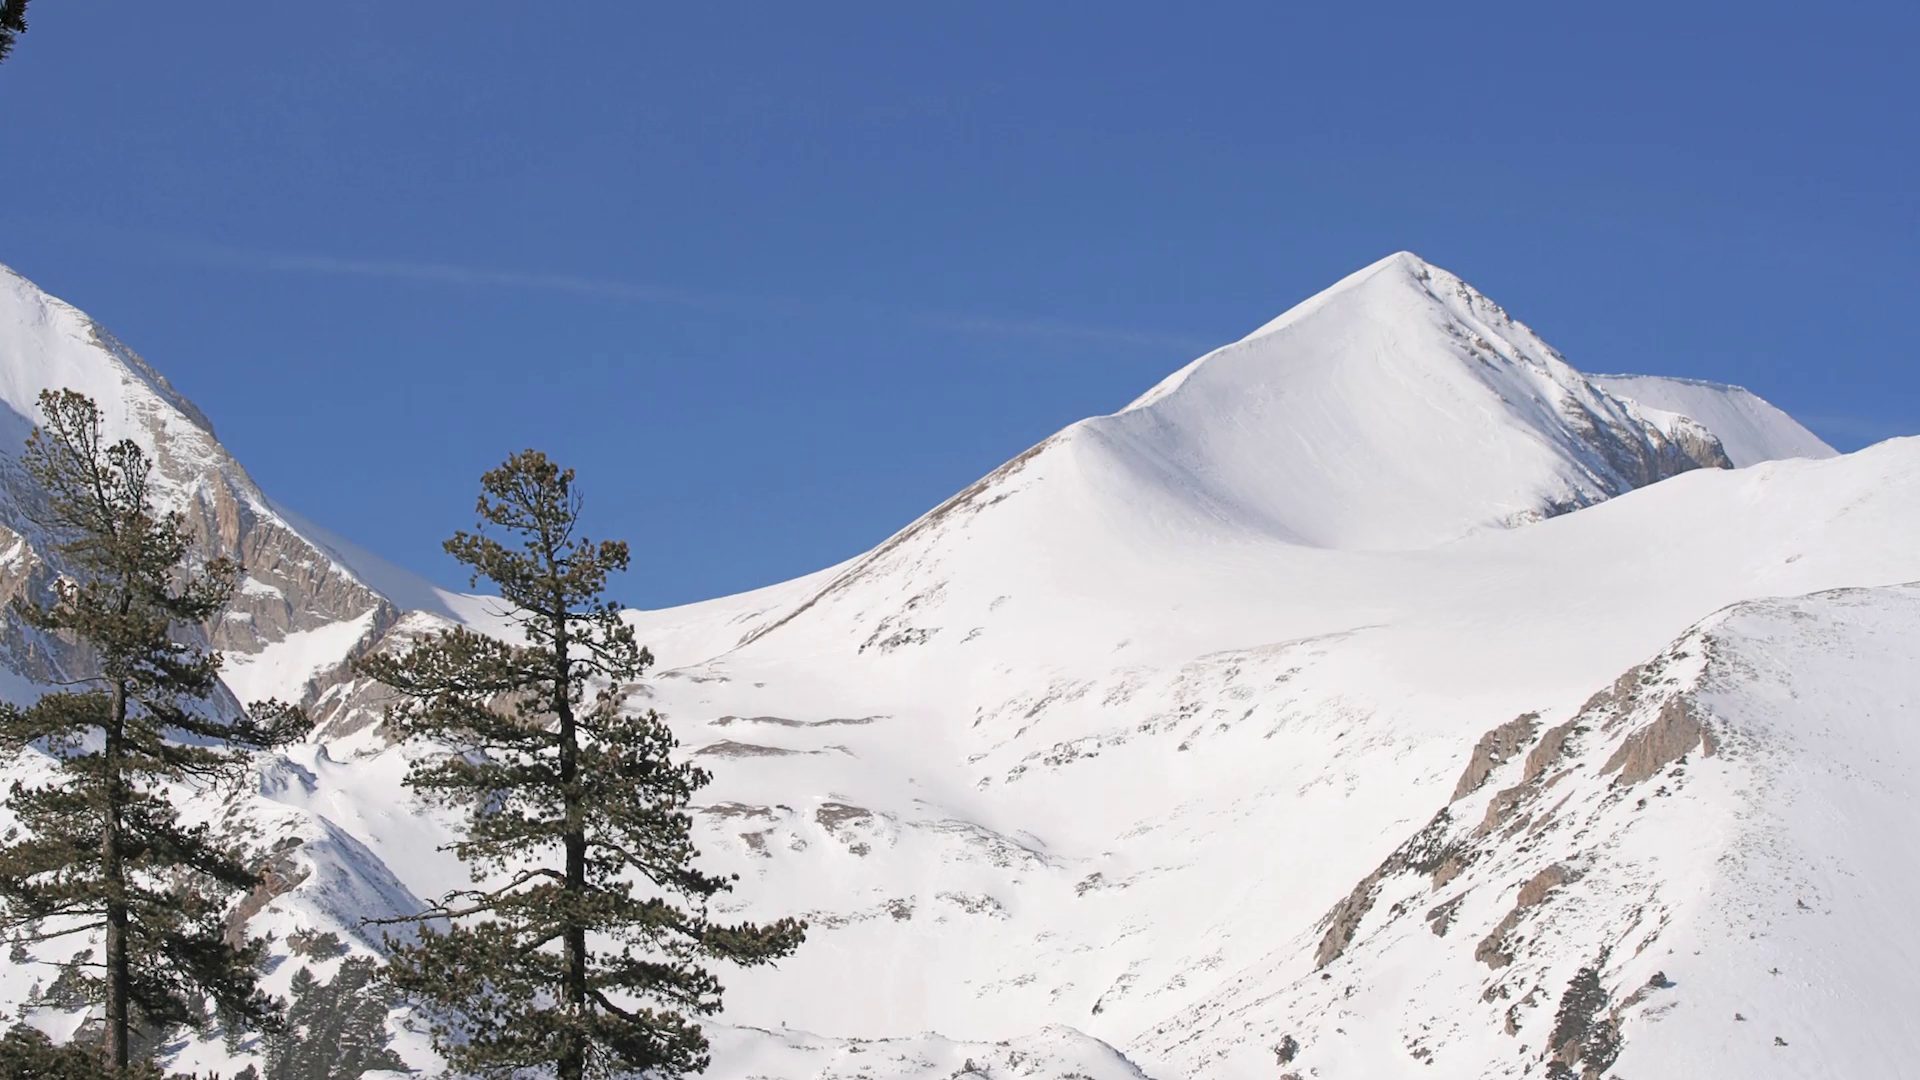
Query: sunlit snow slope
1155,751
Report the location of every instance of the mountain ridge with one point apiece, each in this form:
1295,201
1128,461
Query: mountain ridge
1099,744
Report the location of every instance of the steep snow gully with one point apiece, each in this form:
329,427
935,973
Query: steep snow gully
1376,696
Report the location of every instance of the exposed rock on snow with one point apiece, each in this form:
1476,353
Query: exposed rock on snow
1493,750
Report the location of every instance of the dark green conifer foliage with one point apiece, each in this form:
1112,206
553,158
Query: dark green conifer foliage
13,23
580,948
101,848
335,1030
26,1054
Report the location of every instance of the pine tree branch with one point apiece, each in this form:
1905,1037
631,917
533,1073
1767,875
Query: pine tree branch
55,935
483,901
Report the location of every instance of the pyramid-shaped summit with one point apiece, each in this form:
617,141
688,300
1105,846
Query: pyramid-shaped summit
1397,409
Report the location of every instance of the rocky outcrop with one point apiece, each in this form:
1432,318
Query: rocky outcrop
289,585
1423,853
1674,733
1493,750
1640,450
1495,950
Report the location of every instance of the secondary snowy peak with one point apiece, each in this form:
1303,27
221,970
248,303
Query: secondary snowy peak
1749,428
299,609
1398,409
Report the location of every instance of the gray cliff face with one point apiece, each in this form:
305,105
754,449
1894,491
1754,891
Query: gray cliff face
1633,451
290,585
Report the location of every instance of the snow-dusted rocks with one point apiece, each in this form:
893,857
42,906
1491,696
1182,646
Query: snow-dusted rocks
1249,730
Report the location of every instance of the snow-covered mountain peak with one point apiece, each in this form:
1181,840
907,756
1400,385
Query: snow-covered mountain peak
1385,289
46,343
1397,409
1403,270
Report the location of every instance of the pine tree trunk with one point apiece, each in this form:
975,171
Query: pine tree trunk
573,1061
114,872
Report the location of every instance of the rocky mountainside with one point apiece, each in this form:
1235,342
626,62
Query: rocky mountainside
1253,729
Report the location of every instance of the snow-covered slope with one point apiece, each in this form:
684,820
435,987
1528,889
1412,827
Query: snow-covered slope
1749,428
1084,769
1106,820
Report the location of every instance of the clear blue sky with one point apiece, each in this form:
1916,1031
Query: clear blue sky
779,277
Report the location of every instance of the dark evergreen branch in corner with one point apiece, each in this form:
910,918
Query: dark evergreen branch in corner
572,799
13,23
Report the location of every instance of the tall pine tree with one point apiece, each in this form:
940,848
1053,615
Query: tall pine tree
580,949
101,850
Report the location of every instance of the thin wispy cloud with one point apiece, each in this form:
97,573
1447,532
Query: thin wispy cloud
449,274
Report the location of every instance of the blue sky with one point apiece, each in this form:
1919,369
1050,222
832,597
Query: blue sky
778,278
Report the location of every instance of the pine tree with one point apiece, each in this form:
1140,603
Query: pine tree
101,848
580,947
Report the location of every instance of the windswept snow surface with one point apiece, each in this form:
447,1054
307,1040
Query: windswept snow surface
1080,773
1751,429
1055,1053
